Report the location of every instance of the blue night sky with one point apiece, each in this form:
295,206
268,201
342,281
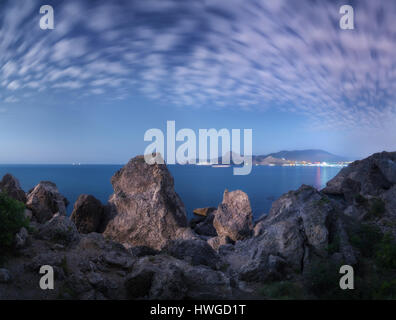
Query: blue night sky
88,90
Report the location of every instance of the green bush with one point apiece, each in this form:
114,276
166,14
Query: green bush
386,252
360,199
377,208
386,291
12,219
334,245
366,238
282,290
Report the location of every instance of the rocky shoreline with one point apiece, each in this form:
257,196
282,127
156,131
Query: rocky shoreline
140,245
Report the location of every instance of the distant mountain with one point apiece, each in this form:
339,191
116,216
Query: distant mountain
287,157
306,155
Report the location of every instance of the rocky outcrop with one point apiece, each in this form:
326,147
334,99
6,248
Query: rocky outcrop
60,229
371,176
45,200
88,214
148,211
367,190
5,276
203,225
164,259
233,217
196,252
217,242
10,185
164,277
295,232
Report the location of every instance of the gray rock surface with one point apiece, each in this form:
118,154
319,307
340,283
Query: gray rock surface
296,231
148,211
5,276
21,238
60,229
196,252
203,225
165,277
370,176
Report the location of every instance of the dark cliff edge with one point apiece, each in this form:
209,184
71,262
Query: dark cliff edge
139,245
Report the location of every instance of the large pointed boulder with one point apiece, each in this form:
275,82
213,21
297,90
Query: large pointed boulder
147,210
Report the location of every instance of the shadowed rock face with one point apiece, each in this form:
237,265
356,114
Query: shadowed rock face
10,185
147,210
45,200
233,217
296,231
371,176
87,214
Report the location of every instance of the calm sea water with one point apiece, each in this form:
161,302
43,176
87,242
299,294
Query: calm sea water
198,186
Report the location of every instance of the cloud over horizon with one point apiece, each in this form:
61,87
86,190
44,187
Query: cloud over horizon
255,55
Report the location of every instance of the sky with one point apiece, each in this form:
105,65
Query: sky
88,90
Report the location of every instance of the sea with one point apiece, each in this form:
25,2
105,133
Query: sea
198,186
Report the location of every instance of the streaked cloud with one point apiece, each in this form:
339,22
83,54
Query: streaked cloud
285,55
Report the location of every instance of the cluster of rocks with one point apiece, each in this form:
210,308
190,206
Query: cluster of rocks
140,245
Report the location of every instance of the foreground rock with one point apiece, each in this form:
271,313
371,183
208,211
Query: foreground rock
60,229
164,277
10,185
196,252
371,176
289,239
45,200
88,214
233,217
203,225
147,210
367,190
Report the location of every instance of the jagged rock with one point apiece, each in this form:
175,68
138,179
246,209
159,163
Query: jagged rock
142,251
59,229
92,241
165,277
205,226
45,200
370,176
21,238
206,284
96,280
119,259
87,214
148,211
233,217
10,185
138,284
46,258
217,242
295,231
196,252
78,284
203,211
5,276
